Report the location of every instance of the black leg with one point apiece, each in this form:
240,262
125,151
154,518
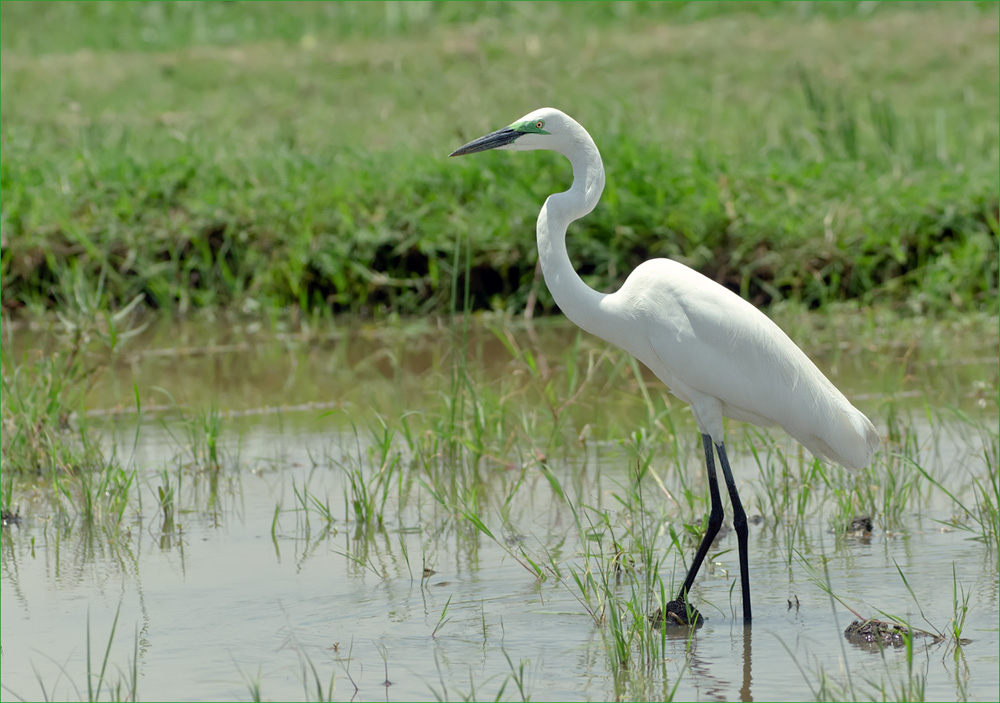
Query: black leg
714,520
740,525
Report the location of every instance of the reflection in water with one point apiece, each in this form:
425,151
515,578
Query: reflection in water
241,369
745,692
711,671
267,546
707,671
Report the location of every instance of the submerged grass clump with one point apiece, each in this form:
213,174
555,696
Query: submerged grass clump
45,435
43,431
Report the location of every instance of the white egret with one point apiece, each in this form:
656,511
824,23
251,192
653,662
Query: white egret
712,349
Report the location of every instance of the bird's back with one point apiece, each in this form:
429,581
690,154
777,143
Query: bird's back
724,357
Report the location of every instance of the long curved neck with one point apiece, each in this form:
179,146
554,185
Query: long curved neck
578,301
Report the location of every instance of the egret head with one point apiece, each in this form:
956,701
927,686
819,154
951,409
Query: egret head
544,128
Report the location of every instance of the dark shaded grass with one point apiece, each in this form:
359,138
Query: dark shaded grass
279,235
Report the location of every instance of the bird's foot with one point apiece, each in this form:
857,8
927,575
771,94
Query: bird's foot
677,613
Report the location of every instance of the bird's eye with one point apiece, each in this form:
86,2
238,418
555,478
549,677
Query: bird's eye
539,124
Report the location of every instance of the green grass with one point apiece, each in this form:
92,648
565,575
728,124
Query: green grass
885,684
248,159
122,688
46,437
44,388
243,156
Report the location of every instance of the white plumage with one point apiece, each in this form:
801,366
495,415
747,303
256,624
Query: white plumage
711,348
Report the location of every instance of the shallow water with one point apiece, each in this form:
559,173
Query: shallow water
230,594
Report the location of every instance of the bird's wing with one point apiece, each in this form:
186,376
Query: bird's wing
723,356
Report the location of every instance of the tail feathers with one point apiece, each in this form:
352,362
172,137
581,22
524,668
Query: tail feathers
850,439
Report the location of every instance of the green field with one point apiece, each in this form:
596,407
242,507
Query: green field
247,156
206,205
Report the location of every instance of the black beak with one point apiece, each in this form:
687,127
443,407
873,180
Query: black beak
502,137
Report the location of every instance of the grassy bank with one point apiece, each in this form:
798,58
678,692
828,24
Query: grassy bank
244,155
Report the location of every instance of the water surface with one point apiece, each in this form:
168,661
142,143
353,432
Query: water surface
247,587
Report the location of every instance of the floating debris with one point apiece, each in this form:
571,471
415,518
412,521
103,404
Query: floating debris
878,634
861,524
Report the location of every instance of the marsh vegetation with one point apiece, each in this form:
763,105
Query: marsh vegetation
272,414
